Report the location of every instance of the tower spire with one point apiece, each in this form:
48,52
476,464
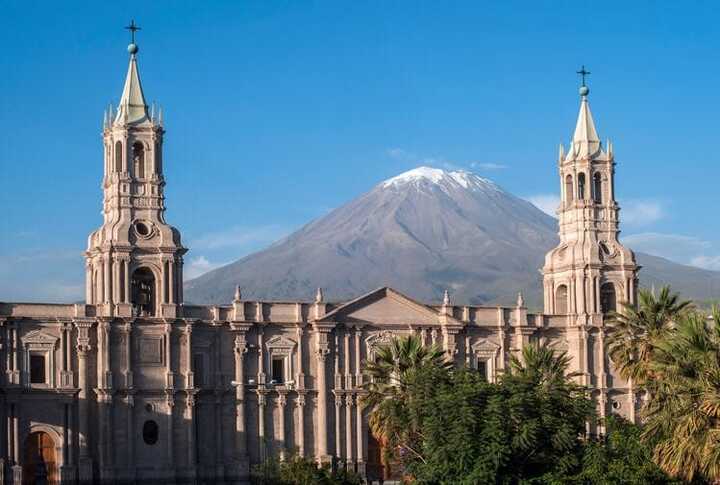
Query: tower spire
585,142
132,107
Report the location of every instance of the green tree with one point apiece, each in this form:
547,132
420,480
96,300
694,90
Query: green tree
619,457
682,416
524,429
298,470
387,377
635,332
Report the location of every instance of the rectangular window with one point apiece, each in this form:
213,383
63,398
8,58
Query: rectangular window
199,369
37,369
278,370
482,367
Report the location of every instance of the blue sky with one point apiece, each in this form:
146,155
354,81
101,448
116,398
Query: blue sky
277,112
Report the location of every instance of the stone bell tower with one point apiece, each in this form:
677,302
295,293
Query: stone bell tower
589,273
134,260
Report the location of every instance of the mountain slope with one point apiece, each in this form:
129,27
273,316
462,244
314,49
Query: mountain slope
420,232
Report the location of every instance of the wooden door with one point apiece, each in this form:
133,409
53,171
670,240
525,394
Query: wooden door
40,465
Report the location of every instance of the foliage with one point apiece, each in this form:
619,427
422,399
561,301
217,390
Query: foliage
387,377
523,429
683,414
635,332
620,456
299,470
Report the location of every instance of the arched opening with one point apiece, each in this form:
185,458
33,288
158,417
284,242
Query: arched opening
561,300
40,464
143,292
569,189
581,186
608,298
139,160
118,156
597,188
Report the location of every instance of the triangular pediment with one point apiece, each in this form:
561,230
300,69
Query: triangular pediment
384,306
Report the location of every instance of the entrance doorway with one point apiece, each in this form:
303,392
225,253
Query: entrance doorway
375,469
39,464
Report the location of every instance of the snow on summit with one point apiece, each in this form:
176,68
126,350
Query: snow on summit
440,177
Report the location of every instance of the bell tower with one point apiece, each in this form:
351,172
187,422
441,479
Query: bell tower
589,273
134,260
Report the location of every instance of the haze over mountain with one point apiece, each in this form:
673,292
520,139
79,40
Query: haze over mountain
421,232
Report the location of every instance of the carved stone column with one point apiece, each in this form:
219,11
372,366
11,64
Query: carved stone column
190,419
300,405
83,347
348,429
262,402
281,403
240,425
322,349
338,436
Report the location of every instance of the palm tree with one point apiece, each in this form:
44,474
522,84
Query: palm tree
634,332
541,364
389,374
683,415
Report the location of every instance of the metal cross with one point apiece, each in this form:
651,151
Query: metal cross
583,73
132,28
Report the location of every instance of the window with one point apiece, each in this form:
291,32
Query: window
118,157
597,187
143,292
37,369
199,370
568,188
608,299
278,370
561,300
482,367
139,160
581,186
151,432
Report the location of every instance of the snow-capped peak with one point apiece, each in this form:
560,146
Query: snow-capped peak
440,177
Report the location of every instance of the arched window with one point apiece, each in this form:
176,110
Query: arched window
581,186
143,292
608,299
597,187
118,156
568,188
561,300
139,160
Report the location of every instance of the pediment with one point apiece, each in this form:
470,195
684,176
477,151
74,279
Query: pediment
485,347
39,337
384,306
280,342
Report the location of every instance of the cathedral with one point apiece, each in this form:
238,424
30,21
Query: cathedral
135,385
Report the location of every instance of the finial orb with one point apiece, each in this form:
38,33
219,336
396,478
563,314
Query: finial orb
133,48
584,90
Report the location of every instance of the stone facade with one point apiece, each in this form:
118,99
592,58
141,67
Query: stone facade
135,385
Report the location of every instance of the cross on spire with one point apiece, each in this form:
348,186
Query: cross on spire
132,28
583,72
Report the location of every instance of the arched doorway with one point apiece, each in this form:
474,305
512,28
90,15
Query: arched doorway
375,468
143,291
39,464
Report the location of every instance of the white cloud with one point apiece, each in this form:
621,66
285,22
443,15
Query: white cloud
548,203
636,212
410,157
198,266
240,238
676,247
706,262
488,166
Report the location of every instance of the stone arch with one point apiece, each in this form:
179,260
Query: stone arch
144,290
118,156
597,188
581,186
138,157
42,455
562,300
568,188
608,297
